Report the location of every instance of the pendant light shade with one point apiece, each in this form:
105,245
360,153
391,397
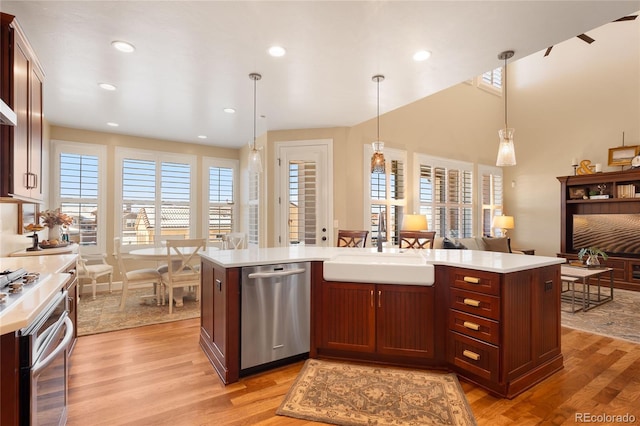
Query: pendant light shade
506,149
377,159
255,161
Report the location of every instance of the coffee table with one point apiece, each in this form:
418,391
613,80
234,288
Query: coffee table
589,277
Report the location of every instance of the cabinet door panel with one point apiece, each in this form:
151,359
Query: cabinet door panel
405,320
206,309
349,317
220,315
34,180
21,130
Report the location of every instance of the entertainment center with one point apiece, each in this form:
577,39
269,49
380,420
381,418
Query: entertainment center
603,210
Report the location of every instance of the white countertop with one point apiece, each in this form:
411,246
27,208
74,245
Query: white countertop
37,296
472,259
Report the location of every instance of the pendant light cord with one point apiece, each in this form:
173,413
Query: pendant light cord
505,93
378,96
254,113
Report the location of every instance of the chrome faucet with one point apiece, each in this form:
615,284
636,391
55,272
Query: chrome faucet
381,228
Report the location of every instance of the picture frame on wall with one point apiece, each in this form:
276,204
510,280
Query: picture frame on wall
622,155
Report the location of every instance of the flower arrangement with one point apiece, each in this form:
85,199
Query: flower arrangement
592,254
51,218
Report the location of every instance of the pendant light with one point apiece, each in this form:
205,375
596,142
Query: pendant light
377,159
255,162
506,150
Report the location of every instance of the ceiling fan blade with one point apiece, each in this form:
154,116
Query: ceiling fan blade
585,38
626,18
548,51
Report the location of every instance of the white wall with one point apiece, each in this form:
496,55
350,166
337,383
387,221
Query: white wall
575,103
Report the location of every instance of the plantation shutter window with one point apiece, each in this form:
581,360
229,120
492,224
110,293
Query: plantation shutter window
445,194
79,196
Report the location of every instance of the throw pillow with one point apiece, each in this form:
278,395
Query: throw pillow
448,244
500,244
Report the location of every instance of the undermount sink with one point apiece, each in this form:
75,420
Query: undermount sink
380,268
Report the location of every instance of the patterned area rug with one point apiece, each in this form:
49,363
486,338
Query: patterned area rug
618,318
102,315
348,394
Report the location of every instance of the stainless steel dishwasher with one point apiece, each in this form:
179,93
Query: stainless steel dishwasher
275,313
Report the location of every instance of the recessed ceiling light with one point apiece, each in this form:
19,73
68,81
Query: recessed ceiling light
229,110
421,55
107,86
277,51
123,46
202,136
112,124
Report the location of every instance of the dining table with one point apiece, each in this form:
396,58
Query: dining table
160,254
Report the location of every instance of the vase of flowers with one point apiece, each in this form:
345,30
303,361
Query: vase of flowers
54,219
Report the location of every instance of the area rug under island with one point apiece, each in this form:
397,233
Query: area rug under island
351,395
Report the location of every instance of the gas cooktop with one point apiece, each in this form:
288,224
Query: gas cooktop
12,284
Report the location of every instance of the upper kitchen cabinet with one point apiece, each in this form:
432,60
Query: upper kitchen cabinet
21,89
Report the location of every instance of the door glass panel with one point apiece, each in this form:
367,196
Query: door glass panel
302,202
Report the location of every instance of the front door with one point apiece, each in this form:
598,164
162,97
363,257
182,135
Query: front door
305,208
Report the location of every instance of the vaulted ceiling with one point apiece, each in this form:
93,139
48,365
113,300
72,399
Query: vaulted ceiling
193,58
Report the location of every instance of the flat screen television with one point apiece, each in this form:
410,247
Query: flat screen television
617,234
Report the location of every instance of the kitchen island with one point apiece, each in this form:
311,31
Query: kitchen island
493,318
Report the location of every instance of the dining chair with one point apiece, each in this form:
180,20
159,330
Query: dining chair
136,277
416,239
183,267
91,267
234,240
352,238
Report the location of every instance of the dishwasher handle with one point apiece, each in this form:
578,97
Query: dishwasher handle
283,273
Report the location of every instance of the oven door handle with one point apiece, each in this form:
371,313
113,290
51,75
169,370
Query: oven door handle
44,363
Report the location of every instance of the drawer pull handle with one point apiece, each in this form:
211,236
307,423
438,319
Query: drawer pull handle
472,280
472,302
471,355
471,325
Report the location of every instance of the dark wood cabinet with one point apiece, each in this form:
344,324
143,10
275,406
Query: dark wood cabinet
504,329
348,316
621,189
220,319
498,330
377,322
21,88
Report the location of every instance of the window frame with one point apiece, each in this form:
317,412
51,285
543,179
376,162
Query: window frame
495,209
493,87
59,147
159,157
390,154
420,159
207,163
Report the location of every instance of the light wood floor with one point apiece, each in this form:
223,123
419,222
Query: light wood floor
157,375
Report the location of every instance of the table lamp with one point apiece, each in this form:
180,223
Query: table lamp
503,222
414,222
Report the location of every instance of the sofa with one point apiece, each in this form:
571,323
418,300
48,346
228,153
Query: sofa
500,244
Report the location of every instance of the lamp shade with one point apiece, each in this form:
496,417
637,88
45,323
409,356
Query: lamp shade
414,222
503,222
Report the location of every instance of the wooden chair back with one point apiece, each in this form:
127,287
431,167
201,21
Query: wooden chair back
416,239
182,256
352,238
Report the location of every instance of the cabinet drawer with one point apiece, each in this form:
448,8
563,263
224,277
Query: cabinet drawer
474,326
473,356
475,303
480,281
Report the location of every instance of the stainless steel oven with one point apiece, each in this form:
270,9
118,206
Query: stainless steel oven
44,369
